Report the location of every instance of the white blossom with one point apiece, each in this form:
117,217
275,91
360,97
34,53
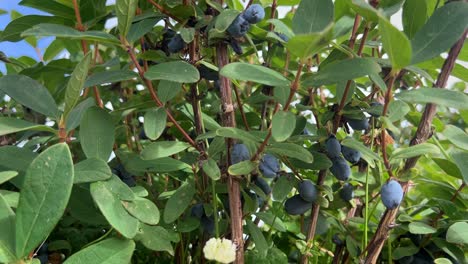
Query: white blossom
221,250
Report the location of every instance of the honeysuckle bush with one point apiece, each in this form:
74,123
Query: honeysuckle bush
272,128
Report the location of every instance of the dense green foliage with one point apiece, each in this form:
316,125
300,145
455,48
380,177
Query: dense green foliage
129,148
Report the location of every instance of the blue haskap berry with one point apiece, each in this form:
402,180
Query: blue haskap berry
307,191
296,205
207,73
239,153
176,44
142,135
43,258
236,47
197,211
238,27
337,240
269,166
254,13
347,192
263,185
357,124
391,194
350,154
333,147
340,169
208,224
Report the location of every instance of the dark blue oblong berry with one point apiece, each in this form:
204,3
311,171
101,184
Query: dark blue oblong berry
350,154
239,153
347,192
269,166
197,211
263,185
337,240
176,44
391,194
236,47
307,191
358,124
254,13
333,147
238,27
208,224
296,205
282,36
340,169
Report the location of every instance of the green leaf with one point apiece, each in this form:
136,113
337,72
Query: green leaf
291,150
174,71
97,133
458,137
91,170
224,20
260,242
442,261
7,175
254,73
74,118
210,167
75,84
29,93
12,198
139,29
397,110
155,238
60,31
113,210
282,125
440,32
7,232
421,228
414,16
138,165
143,209
109,251
167,90
414,151
271,220
304,46
125,11
343,70
119,188
367,154
12,125
13,30
282,188
458,233
109,77
364,9
236,133
187,34
155,123
312,16
395,43
44,197
178,202
340,89
448,167
163,149
461,159
54,8
242,168
442,97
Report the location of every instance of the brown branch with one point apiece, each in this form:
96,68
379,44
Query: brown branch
241,108
423,133
164,11
383,141
233,183
156,99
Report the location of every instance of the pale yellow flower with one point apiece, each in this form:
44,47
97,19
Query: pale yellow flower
221,250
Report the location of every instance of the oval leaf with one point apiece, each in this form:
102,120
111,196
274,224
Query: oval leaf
254,73
29,93
178,202
242,168
291,150
414,151
174,71
442,97
109,251
210,167
97,133
396,44
44,195
155,123
144,210
283,125
75,84
125,11
91,170
163,149
10,125
312,16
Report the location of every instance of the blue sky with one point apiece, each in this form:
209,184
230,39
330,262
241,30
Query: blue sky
21,48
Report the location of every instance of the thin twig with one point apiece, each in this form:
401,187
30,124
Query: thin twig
164,11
